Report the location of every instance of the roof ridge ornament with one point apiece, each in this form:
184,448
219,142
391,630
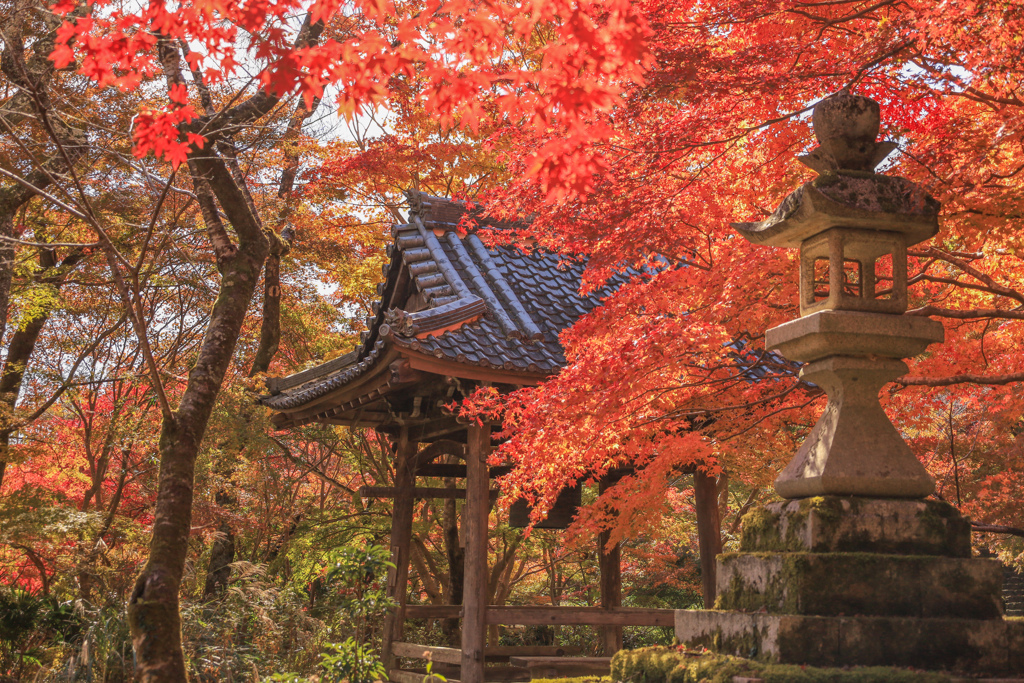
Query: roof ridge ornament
415,200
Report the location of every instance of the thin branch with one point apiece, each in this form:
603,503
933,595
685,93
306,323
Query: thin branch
979,528
43,193
967,314
50,245
974,272
152,225
67,384
966,378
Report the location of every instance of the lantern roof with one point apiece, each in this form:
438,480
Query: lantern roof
847,193
848,199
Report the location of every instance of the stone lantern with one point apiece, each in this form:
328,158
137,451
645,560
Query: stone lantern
853,227
857,567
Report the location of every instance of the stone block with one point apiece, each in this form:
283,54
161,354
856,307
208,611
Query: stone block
952,644
851,333
982,647
851,524
765,637
1015,631
860,583
854,449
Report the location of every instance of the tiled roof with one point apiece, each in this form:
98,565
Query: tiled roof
500,308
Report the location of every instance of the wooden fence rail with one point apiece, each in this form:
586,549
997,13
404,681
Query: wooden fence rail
561,616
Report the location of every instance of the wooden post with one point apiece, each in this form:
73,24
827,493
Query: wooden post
401,539
474,599
709,531
611,583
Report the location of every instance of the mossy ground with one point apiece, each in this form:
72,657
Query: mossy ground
676,665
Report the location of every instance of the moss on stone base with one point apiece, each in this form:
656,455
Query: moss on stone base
850,524
860,583
678,665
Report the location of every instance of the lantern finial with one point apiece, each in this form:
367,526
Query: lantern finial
846,126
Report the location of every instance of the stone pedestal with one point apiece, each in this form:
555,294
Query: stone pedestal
853,450
846,581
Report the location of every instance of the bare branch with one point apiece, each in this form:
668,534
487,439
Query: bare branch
979,528
967,314
966,378
42,193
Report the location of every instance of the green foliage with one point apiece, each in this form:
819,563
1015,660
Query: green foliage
678,665
34,513
29,623
345,661
255,624
350,585
33,299
352,662
357,576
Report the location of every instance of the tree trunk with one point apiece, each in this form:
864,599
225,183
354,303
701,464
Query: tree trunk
23,345
153,606
709,532
456,567
221,556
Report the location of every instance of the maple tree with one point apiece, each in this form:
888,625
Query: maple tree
209,105
663,376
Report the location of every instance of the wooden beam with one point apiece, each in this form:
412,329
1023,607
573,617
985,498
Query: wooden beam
565,616
433,365
610,564
439,449
709,532
435,429
417,492
365,419
447,655
401,539
374,379
506,674
451,655
561,667
569,616
399,676
506,651
440,674
457,471
433,611
474,515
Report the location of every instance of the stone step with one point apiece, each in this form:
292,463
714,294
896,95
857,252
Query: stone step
977,646
1013,592
848,524
834,584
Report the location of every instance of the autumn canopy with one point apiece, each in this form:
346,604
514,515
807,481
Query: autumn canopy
196,196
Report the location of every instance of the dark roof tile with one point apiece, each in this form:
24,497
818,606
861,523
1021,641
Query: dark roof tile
512,303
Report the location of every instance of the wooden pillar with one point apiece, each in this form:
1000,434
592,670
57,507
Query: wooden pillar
401,540
611,584
709,531
475,513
